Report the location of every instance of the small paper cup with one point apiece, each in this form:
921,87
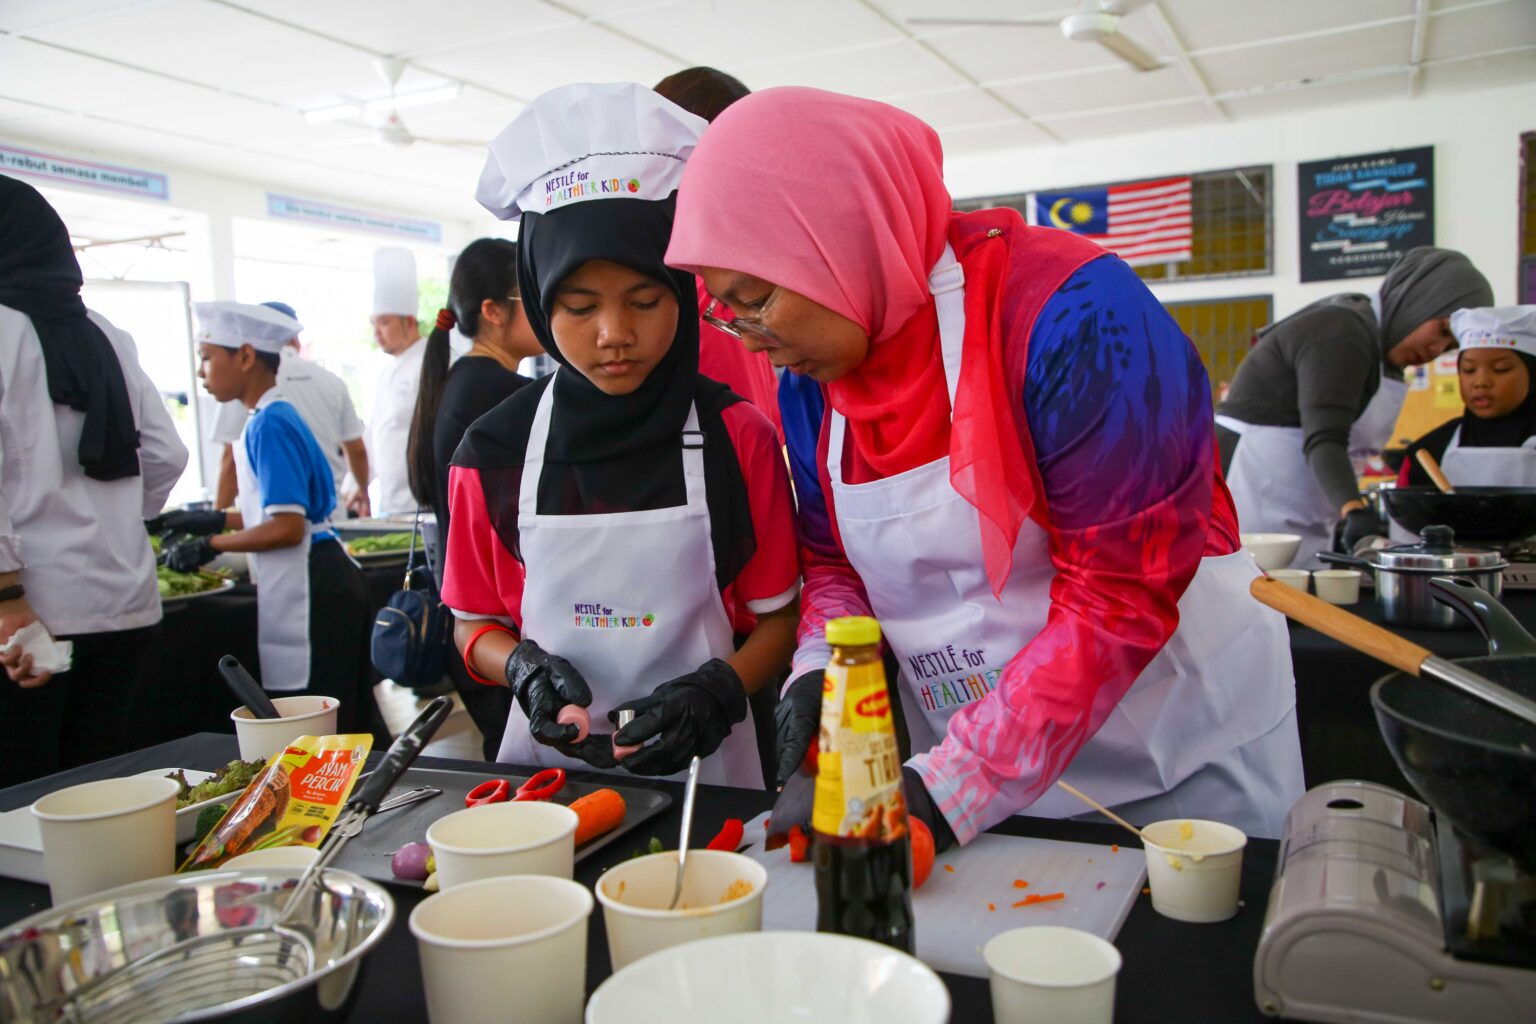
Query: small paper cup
722,894
1292,577
511,948
526,837
1337,586
308,715
1194,877
1049,973
100,835
275,857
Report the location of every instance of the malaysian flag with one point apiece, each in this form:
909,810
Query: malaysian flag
1143,222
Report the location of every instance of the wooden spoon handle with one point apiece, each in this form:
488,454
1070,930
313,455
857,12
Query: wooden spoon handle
1347,629
1432,467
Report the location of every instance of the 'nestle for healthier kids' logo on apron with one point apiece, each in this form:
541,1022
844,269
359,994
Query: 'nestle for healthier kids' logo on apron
600,616
950,675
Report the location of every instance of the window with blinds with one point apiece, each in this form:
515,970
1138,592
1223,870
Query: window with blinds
1222,330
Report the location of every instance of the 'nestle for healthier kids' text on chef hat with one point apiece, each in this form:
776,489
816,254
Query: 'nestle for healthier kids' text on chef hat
232,324
616,140
1506,327
394,282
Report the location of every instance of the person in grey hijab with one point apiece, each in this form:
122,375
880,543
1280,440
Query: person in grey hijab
1325,381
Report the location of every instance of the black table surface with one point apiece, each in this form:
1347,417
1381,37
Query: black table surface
1339,737
1172,971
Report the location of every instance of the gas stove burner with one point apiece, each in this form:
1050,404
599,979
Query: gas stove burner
1489,902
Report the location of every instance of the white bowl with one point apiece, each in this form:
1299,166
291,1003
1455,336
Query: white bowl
722,894
1338,586
771,977
299,857
1045,972
1271,550
1297,579
519,837
1194,877
309,715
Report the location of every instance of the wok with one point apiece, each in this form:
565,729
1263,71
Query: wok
1484,513
1474,763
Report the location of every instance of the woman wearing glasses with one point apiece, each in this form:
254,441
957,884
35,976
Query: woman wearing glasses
1003,449
617,523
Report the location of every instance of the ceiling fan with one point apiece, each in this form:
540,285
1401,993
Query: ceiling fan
1100,24
392,130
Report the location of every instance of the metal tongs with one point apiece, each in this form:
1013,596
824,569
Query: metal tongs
365,802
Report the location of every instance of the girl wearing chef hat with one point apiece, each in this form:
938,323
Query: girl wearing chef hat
615,523
311,600
1003,450
1493,444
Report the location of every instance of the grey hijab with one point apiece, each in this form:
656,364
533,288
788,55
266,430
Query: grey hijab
1427,283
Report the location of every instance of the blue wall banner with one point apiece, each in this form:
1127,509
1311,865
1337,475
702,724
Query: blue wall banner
1360,213
313,211
129,181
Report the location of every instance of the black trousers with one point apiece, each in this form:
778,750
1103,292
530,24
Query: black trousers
340,623
86,714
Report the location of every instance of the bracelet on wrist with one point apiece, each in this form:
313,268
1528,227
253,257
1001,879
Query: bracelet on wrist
13,593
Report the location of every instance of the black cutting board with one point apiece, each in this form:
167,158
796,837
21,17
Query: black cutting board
368,853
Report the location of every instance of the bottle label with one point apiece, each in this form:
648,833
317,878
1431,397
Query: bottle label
858,770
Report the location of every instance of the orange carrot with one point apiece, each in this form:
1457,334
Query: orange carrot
991,906
597,812
1019,883
1114,847
950,868
1040,897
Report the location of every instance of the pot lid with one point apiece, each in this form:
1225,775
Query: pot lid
1437,549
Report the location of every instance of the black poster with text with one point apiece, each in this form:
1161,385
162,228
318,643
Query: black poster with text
1360,213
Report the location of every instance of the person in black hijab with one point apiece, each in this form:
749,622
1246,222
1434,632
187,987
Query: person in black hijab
633,574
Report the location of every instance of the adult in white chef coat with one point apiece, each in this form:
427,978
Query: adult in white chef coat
394,398
87,453
311,601
1327,381
326,407
1492,444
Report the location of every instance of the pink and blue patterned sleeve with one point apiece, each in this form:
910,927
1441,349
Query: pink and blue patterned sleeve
1119,412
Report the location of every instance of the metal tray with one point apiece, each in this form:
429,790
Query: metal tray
368,854
177,599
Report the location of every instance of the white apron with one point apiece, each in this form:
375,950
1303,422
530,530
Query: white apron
1273,486
1207,730
282,580
1490,467
629,599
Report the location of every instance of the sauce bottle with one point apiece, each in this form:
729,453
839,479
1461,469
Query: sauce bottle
862,855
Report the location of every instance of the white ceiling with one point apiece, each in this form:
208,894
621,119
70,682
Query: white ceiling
220,85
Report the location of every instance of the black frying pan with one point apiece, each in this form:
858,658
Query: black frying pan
1483,513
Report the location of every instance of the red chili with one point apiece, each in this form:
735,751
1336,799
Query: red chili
491,791
799,844
729,837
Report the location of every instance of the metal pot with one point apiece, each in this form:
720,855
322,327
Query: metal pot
1403,571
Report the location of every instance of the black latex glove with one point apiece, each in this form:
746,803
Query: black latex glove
921,806
596,750
689,715
1357,525
202,522
189,554
796,721
543,683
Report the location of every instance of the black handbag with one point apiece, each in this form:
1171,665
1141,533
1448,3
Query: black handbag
410,634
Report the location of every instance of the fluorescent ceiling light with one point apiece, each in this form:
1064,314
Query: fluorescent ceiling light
441,94
332,113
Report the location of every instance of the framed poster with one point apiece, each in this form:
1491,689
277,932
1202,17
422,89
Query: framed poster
1360,213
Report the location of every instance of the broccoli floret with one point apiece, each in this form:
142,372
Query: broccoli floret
207,818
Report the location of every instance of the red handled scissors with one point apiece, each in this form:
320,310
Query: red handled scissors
543,786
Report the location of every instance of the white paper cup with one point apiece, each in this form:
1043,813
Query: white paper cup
527,837
302,716
1292,577
1048,973
1337,586
100,835
722,894
511,948
274,857
1194,877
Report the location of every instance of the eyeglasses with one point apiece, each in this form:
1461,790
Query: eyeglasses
741,328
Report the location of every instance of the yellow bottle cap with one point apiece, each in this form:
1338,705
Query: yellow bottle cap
853,631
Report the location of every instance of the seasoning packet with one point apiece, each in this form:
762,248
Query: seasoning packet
292,802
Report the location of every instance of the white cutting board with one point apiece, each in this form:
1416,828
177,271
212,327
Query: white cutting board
953,922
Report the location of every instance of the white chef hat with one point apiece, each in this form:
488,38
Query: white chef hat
232,324
1506,327
394,282
615,140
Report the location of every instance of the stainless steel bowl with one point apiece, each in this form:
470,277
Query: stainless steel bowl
196,947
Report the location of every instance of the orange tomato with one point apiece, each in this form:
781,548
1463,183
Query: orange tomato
922,852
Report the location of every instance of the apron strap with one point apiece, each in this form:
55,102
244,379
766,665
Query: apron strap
946,284
693,459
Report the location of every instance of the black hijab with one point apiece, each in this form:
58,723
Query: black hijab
1510,430
1426,283
612,453
40,277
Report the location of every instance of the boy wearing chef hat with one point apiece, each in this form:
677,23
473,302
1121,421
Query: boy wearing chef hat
397,333
1493,444
312,602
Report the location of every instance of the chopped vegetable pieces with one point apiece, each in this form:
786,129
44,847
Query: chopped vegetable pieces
950,868
729,837
799,844
1019,883
1040,897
